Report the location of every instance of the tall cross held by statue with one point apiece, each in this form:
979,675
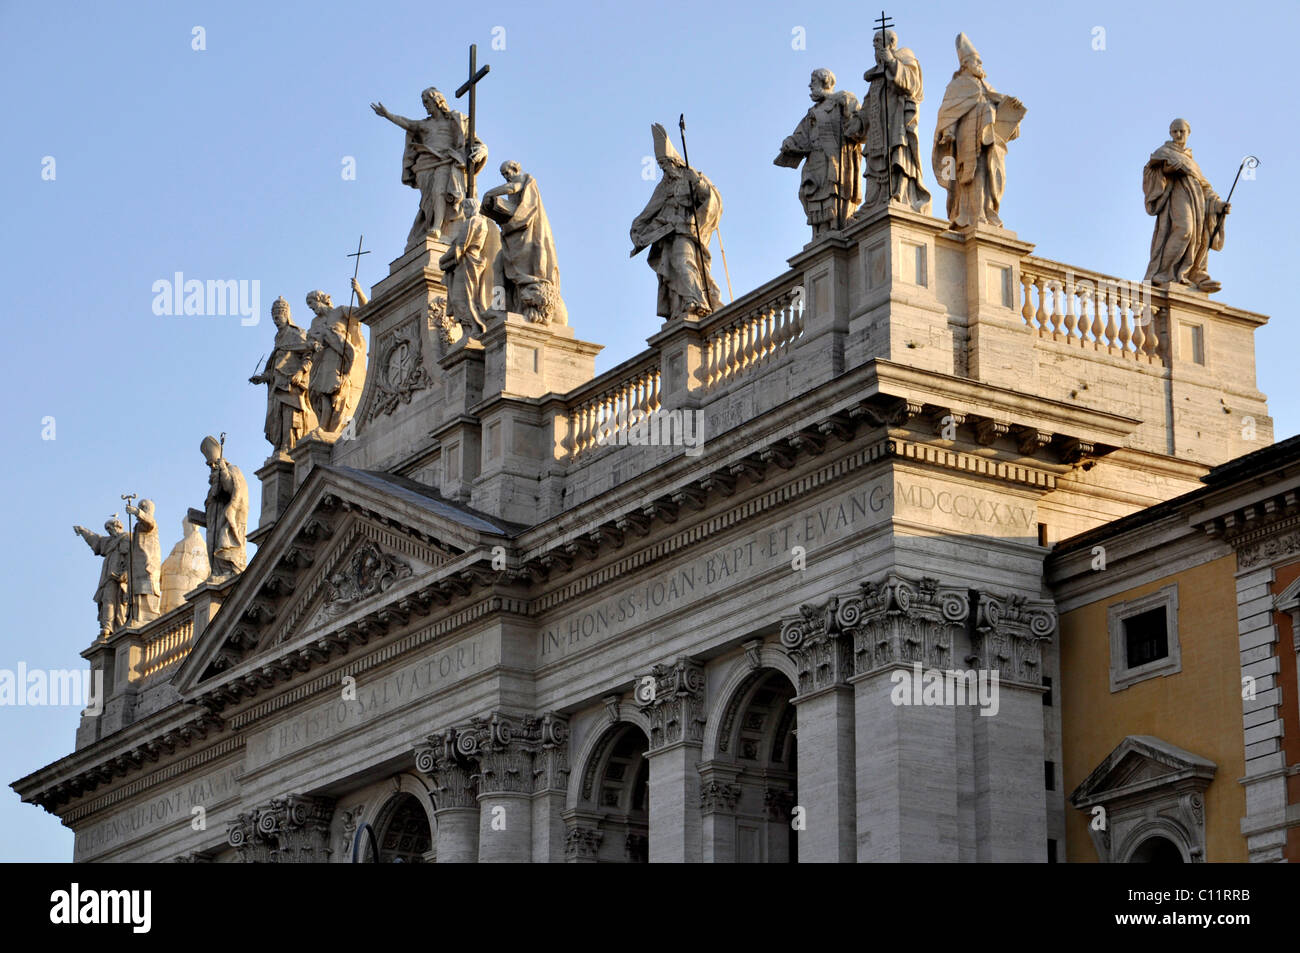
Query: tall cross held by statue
356,269
470,86
883,23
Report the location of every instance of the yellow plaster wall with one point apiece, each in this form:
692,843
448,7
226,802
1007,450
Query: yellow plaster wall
1198,709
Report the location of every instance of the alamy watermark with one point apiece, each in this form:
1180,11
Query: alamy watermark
179,295
40,687
656,428
948,687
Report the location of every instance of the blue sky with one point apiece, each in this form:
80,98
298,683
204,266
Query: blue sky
226,163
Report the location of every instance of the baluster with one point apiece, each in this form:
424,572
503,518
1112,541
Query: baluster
1153,338
1088,319
1027,309
1041,315
1140,334
1067,312
1112,326
1125,321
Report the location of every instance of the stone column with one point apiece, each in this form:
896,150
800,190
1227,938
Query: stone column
824,719
457,812
505,759
1010,796
674,701
550,789
718,799
907,751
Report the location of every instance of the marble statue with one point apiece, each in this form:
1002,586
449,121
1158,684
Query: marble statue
338,359
467,271
111,596
974,125
1189,214
434,162
892,154
287,375
225,513
528,260
676,225
185,568
146,563
827,142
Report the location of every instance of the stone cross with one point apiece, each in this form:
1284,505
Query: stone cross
357,268
882,24
471,85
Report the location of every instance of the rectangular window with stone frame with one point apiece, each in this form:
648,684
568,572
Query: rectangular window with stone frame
1144,638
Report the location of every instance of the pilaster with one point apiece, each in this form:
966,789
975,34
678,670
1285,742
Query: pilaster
675,707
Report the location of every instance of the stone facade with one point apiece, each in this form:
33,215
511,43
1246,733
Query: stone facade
569,641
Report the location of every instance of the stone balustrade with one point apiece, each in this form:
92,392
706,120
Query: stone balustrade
1091,311
746,333
605,407
167,641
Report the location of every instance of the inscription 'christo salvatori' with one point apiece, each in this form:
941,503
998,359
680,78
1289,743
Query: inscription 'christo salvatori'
705,575
371,700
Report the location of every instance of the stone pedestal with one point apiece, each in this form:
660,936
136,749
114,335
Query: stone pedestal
308,453
895,311
1000,345
827,265
277,476
524,359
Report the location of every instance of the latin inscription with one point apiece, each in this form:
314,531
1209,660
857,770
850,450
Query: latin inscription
169,807
373,699
717,570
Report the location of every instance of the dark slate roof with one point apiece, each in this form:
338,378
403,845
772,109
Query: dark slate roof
429,500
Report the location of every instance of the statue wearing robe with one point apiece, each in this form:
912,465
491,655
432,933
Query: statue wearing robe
974,125
225,512
433,161
826,141
287,376
683,201
528,260
111,595
896,92
338,360
1188,215
467,270
146,563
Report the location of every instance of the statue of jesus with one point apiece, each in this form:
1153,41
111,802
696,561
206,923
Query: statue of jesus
434,162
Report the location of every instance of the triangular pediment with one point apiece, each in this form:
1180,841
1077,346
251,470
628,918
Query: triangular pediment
1138,764
346,544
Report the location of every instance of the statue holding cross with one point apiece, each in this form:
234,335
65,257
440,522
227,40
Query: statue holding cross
441,157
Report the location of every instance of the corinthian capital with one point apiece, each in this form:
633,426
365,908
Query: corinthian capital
672,695
450,769
814,641
900,620
1009,631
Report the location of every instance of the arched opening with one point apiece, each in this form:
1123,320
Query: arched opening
758,736
1157,850
403,832
617,785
